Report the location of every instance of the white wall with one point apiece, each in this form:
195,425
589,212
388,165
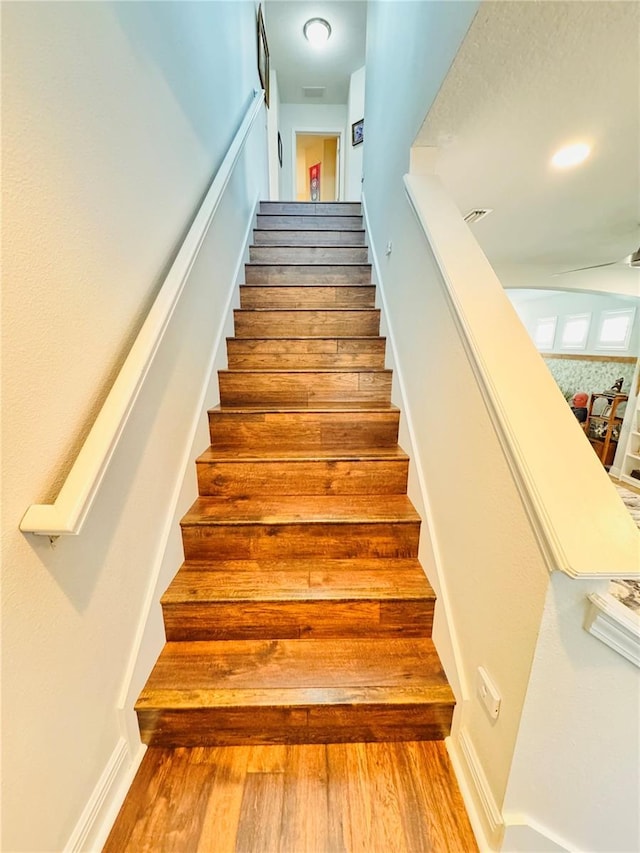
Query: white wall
355,111
487,562
575,770
273,126
532,306
115,117
308,117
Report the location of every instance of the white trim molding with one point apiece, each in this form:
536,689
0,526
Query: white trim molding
524,835
616,625
68,512
97,818
484,814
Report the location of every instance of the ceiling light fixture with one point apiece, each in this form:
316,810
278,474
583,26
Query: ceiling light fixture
317,31
570,155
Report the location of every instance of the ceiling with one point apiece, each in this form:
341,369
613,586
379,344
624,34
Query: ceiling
529,78
298,64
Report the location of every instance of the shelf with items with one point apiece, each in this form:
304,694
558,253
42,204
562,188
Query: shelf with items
630,472
603,424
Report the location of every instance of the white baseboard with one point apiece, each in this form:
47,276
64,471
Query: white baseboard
523,835
101,810
484,815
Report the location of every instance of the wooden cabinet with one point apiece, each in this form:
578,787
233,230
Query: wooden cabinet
604,421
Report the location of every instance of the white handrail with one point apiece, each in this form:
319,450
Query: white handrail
552,466
69,511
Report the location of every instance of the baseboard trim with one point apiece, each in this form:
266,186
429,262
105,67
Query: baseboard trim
484,815
101,810
524,835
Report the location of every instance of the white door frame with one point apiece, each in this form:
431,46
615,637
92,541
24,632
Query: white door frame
316,131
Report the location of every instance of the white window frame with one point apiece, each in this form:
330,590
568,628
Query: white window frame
617,345
582,342
553,321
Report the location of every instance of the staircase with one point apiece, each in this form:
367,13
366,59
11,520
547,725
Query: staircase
301,613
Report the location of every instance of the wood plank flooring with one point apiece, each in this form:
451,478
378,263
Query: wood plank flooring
324,798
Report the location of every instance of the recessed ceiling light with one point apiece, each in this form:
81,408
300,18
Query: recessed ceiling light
570,155
317,31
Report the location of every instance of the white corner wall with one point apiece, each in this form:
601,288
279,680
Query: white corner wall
115,118
576,769
313,118
273,126
355,111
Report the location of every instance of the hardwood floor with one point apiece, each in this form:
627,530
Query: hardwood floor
324,798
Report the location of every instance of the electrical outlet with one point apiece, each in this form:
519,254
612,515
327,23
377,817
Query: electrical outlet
488,692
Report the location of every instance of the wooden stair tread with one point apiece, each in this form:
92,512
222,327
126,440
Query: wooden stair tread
308,582
290,370
296,312
314,338
272,285
296,673
308,509
293,454
300,407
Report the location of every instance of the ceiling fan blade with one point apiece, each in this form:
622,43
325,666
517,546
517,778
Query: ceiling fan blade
581,269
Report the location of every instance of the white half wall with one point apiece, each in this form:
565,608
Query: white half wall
311,118
115,119
355,111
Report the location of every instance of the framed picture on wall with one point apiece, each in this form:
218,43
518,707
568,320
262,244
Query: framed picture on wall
357,132
279,149
263,56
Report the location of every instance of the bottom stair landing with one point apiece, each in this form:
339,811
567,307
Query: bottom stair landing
324,798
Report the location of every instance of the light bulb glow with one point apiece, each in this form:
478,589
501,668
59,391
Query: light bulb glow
571,155
317,31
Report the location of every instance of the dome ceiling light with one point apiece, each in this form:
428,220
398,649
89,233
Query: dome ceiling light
570,155
317,31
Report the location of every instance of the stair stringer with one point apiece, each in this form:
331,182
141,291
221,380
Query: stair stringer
150,634
444,631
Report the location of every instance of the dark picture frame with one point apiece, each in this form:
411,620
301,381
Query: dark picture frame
357,132
263,56
279,149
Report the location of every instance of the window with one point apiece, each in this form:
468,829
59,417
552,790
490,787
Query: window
575,330
545,332
615,329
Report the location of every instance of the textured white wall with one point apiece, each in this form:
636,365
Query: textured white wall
115,117
355,111
315,117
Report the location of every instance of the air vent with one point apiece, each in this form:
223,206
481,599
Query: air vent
313,91
475,215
